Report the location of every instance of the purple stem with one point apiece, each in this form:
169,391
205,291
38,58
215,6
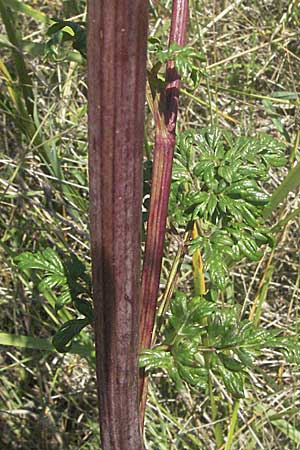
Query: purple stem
165,117
117,42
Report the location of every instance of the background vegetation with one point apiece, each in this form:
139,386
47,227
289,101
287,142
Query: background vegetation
251,57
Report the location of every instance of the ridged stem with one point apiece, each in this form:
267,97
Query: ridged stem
165,117
117,42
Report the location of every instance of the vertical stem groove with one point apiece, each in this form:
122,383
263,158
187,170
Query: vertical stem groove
117,42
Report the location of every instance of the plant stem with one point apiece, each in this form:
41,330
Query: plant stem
117,44
171,282
218,432
232,426
198,273
262,292
199,290
165,112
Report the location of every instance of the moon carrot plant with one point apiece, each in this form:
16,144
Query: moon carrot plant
177,274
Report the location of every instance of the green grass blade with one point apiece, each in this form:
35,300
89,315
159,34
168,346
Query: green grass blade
21,69
291,181
279,226
289,430
35,343
29,11
233,422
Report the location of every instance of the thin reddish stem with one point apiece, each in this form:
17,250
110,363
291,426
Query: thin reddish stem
165,117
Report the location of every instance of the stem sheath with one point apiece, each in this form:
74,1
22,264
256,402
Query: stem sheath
165,111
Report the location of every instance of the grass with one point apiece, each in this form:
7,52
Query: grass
48,400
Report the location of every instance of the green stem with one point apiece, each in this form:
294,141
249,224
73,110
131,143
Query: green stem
199,289
198,272
232,425
218,431
261,296
171,282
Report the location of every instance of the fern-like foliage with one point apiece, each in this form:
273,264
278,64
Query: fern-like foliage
200,337
65,281
187,60
218,180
